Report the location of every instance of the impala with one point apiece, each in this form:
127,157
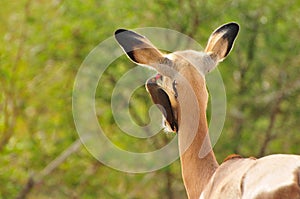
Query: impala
180,90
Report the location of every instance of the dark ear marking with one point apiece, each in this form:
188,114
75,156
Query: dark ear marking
129,39
137,47
166,61
123,38
232,30
221,41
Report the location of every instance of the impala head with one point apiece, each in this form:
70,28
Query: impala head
181,75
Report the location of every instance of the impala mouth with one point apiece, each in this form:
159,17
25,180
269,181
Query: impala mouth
164,100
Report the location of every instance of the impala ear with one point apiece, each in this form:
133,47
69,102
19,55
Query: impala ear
221,41
165,102
138,48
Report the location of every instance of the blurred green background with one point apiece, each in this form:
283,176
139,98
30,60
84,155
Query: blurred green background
43,44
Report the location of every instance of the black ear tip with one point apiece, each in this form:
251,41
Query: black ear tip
120,31
121,35
233,26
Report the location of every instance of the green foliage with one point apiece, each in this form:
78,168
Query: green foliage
43,44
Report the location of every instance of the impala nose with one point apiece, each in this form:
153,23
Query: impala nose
158,77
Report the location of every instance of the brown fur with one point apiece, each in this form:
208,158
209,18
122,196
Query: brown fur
237,177
232,156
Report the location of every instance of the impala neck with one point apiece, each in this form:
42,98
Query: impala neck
192,137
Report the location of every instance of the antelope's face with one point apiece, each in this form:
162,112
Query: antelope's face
179,71
163,92
184,68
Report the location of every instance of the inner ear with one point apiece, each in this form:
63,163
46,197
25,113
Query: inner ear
160,97
221,41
